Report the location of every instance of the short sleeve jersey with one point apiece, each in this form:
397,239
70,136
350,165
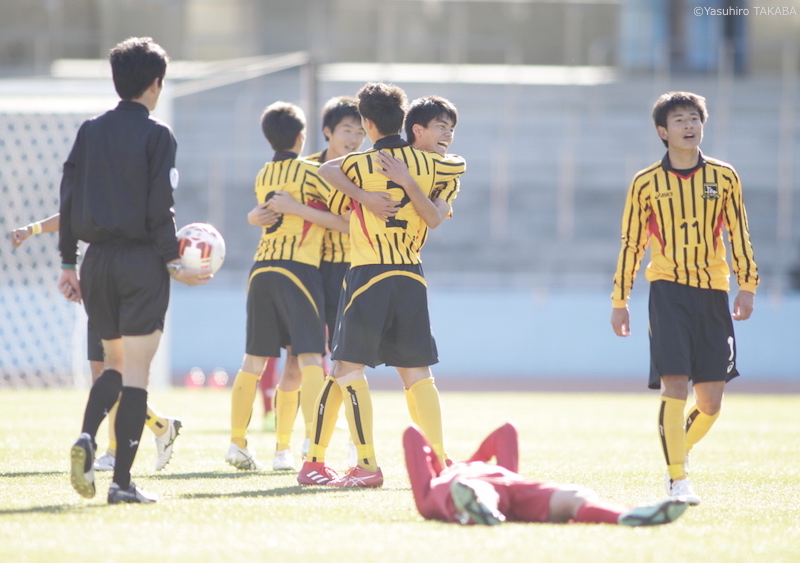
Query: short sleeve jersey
680,214
448,184
291,237
396,240
335,244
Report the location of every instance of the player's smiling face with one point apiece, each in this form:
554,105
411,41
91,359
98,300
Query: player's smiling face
684,130
437,136
346,137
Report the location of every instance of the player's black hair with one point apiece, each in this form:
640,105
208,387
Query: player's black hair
281,123
135,63
424,110
670,101
337,109
384,105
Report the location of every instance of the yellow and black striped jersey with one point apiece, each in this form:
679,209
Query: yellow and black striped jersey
291,237
680,214
396,240
448,184
335,244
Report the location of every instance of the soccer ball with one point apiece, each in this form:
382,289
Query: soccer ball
201,246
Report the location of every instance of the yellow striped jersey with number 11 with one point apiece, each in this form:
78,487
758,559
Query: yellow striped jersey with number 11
291,237
681,215
396,240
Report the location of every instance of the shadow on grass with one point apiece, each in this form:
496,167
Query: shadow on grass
52,509
278,492
24,474
218,475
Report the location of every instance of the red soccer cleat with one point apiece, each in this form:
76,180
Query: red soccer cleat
358,477
316,473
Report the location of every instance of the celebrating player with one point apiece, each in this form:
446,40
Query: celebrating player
383,312
678,207
116,194
166,430
284,297
474,492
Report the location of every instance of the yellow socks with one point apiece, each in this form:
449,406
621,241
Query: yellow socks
155,422
312,380
673,436
358,410
112,433
697,425
324,420
286,404
429,412
242,396
411,402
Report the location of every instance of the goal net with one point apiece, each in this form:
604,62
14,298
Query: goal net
42,336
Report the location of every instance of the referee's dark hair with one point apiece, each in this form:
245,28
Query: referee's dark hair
384,105
424,110
673,100
135,63
281,123
337,109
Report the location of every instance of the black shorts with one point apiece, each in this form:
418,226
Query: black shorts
691,333
383,318
125,288
94,346
284,308
332,279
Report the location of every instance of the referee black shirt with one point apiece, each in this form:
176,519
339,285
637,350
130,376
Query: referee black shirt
117,183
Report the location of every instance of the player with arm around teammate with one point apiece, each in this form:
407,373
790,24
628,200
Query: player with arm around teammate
679,207
383,313
116,194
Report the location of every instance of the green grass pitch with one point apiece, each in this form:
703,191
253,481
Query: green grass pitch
747,472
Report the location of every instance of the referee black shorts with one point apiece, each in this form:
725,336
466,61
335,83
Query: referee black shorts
332,279
284,308
383,318
125,287
691,333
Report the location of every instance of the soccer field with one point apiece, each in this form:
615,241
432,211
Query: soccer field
747,472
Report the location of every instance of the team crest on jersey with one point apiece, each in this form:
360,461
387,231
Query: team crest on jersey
710,191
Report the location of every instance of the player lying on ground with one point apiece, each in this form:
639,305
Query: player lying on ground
475,492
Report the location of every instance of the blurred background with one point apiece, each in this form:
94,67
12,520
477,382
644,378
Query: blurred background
554,100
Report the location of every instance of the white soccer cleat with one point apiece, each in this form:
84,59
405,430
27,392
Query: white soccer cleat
244,459
682,490
662,512
284,461
105,462
82,466
132,494
352,454
166,443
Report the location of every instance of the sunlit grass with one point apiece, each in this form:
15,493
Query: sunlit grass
747,472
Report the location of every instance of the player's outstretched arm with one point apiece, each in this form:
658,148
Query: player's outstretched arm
743,305
262,216
283,202
381,204
189,276
20,235
621,321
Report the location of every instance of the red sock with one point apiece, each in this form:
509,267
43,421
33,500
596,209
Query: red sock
599,513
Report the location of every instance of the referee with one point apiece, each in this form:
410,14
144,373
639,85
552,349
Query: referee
116,195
